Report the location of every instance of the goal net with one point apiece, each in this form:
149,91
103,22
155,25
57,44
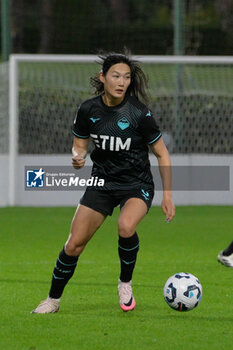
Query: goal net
191,98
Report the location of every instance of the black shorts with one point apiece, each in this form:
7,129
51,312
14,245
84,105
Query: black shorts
106,201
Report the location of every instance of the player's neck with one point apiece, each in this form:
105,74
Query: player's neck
110,101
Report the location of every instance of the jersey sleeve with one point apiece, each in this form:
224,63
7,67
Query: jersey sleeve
80,126
149,128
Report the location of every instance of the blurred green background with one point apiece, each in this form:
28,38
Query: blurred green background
146,27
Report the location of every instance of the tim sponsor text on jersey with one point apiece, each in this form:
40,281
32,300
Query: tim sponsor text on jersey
111,143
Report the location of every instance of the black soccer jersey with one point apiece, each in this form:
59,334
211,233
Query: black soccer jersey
121,135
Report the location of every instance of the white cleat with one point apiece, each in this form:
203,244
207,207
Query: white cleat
125,293
47,306
225,260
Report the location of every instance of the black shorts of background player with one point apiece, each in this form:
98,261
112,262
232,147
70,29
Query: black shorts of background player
121,127
225,256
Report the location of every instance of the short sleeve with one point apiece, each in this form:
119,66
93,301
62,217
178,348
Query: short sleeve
148,127
80,126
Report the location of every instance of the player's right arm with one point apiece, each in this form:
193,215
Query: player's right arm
81,134
79,152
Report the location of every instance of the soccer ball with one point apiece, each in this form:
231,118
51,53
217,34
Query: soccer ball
182,291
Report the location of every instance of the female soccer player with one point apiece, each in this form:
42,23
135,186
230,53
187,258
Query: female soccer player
121,127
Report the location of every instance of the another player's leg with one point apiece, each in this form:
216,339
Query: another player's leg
225,257
131,214
85,223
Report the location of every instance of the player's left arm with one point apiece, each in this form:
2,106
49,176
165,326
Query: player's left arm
79,152
160,151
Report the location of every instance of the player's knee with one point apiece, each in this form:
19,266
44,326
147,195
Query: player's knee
73,248
125,228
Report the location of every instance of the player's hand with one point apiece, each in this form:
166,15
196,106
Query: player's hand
78,162
168,208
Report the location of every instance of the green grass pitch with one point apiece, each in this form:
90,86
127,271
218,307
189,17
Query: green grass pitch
90,317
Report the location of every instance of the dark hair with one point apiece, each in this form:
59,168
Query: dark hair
139,83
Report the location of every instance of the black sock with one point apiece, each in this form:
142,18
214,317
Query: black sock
128,249
229,250
63,271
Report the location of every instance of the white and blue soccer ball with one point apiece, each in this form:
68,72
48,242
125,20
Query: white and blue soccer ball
182,291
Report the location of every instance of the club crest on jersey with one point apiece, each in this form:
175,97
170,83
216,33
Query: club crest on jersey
123,123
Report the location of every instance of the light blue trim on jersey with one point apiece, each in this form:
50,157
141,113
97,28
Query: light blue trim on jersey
82,137
154,139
